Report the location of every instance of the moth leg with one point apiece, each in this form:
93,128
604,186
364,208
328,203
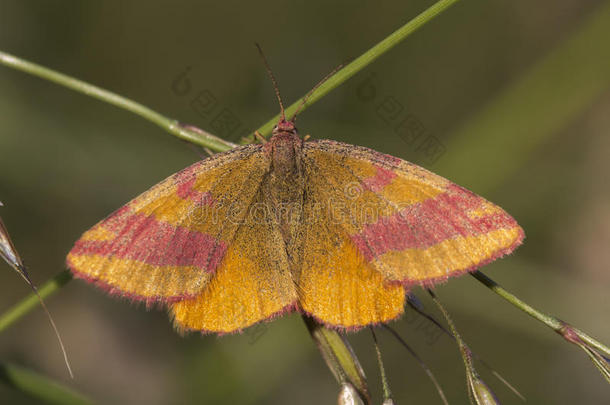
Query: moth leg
260,137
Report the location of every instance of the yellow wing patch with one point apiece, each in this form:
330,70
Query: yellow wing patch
447,258
335,283
252,283
340,289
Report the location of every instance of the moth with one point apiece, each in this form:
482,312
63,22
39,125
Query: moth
335,231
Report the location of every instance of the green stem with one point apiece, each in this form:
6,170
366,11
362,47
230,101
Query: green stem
187,133
20,309
40,387
387,392
556,324
362,61
464,350
478,392
339,357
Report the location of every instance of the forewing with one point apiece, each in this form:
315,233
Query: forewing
411,225
166,243
252,283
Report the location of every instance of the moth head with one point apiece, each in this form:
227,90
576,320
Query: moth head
284,126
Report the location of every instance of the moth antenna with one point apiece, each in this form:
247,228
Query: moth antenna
304,100
272,77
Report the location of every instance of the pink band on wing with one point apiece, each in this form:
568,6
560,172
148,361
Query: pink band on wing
148,240
428,223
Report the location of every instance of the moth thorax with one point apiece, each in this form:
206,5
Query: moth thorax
284,154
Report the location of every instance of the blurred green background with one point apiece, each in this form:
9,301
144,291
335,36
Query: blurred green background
516,93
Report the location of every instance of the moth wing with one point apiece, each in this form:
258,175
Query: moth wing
252,283
411,225
335,283
165,244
